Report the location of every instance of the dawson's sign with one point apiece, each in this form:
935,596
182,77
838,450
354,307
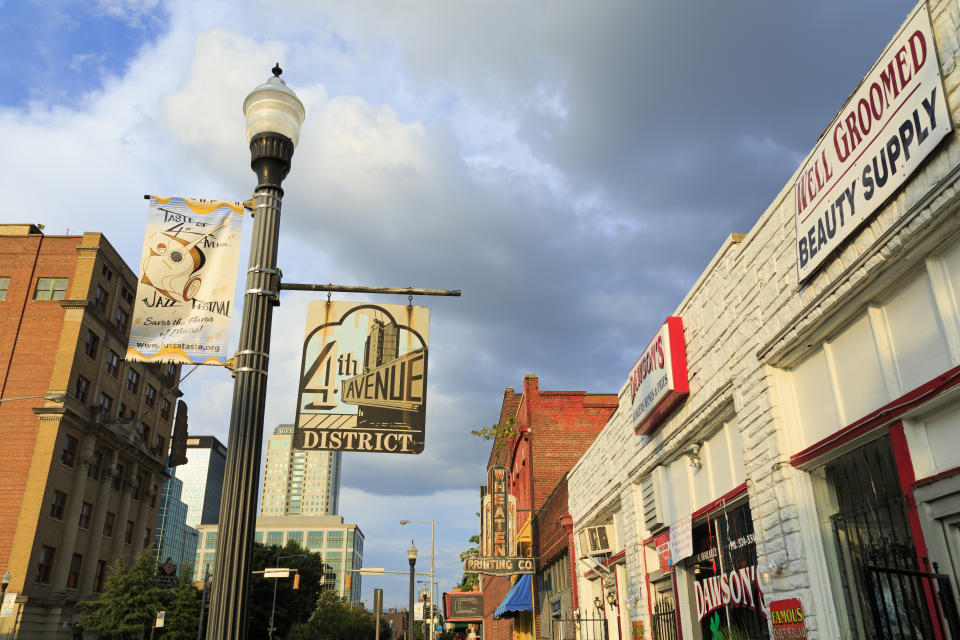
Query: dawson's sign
738,588
658,380
363,378
890,124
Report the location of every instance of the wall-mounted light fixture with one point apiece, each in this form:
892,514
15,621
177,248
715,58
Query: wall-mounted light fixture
774,568
612,598
693,453
598,603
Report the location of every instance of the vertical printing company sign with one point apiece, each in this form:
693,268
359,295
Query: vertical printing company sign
188,274
498,538
363,378
658,380
890,124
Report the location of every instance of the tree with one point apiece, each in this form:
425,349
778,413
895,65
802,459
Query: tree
499,433
470,581
183,612
334,619
129,603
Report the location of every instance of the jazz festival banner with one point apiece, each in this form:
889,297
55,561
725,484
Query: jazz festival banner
363,378
188,274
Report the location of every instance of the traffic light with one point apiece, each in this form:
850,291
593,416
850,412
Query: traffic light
296,581
349,580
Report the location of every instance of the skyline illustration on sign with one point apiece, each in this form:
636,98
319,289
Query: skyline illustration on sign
363,378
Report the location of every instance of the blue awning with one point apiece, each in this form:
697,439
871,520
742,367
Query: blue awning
516,600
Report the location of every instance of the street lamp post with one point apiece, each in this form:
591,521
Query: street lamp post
430,522
273,607
412,557
273,118
4,583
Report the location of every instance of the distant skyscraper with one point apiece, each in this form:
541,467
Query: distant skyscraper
174,539
298,482
202,478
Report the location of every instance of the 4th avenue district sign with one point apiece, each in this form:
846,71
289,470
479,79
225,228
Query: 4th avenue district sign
363,378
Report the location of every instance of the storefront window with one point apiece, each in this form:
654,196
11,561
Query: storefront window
728,596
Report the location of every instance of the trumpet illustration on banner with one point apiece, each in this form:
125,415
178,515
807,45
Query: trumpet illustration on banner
173,265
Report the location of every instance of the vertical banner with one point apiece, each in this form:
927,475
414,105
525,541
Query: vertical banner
363,378
188,274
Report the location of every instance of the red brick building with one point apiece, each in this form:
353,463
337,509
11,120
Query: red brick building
84,434
550,430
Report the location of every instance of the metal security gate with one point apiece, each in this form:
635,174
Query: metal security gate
663,622
888,594
911,604
579,626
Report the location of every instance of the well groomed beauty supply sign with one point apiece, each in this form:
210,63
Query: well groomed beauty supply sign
890,124
363,378
188,274
658,379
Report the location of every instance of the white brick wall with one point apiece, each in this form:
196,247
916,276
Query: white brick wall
745,320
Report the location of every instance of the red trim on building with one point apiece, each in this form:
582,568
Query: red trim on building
880,417
901,455
937,476
729,496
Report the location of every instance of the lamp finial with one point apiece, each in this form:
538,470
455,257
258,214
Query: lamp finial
277,70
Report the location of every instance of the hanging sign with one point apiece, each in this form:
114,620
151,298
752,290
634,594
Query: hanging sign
363,378
658,380
786,617
681,540
662,545
891,123
188,274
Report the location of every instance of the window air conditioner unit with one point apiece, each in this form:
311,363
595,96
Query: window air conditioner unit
596,540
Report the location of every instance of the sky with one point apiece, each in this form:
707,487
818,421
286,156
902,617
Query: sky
572,167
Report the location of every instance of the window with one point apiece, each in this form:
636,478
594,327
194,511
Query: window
137,485
107,273
133,381
126,294
123,410
57,504
50,289
143,431
96,461
121,320
100,300
275,537
146,538
117,480
171,369
153,497
128,534
314,539
73,577
165,409
98,578
296,536
258,537
211,540
91,344
159,444
150,396
85,511
83,385
45,564
105,403
108,524
69,452
4,285
113,363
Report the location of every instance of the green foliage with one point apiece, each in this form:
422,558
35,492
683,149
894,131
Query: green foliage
129,603
499,433
183,612
334,619
470,581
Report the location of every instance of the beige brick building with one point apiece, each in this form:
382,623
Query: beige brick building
816,457
82,466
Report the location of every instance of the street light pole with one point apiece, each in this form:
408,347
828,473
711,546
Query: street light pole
273,116
432,594
273,607
412,557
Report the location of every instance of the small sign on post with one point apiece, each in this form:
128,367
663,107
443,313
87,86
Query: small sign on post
159,621
277,572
